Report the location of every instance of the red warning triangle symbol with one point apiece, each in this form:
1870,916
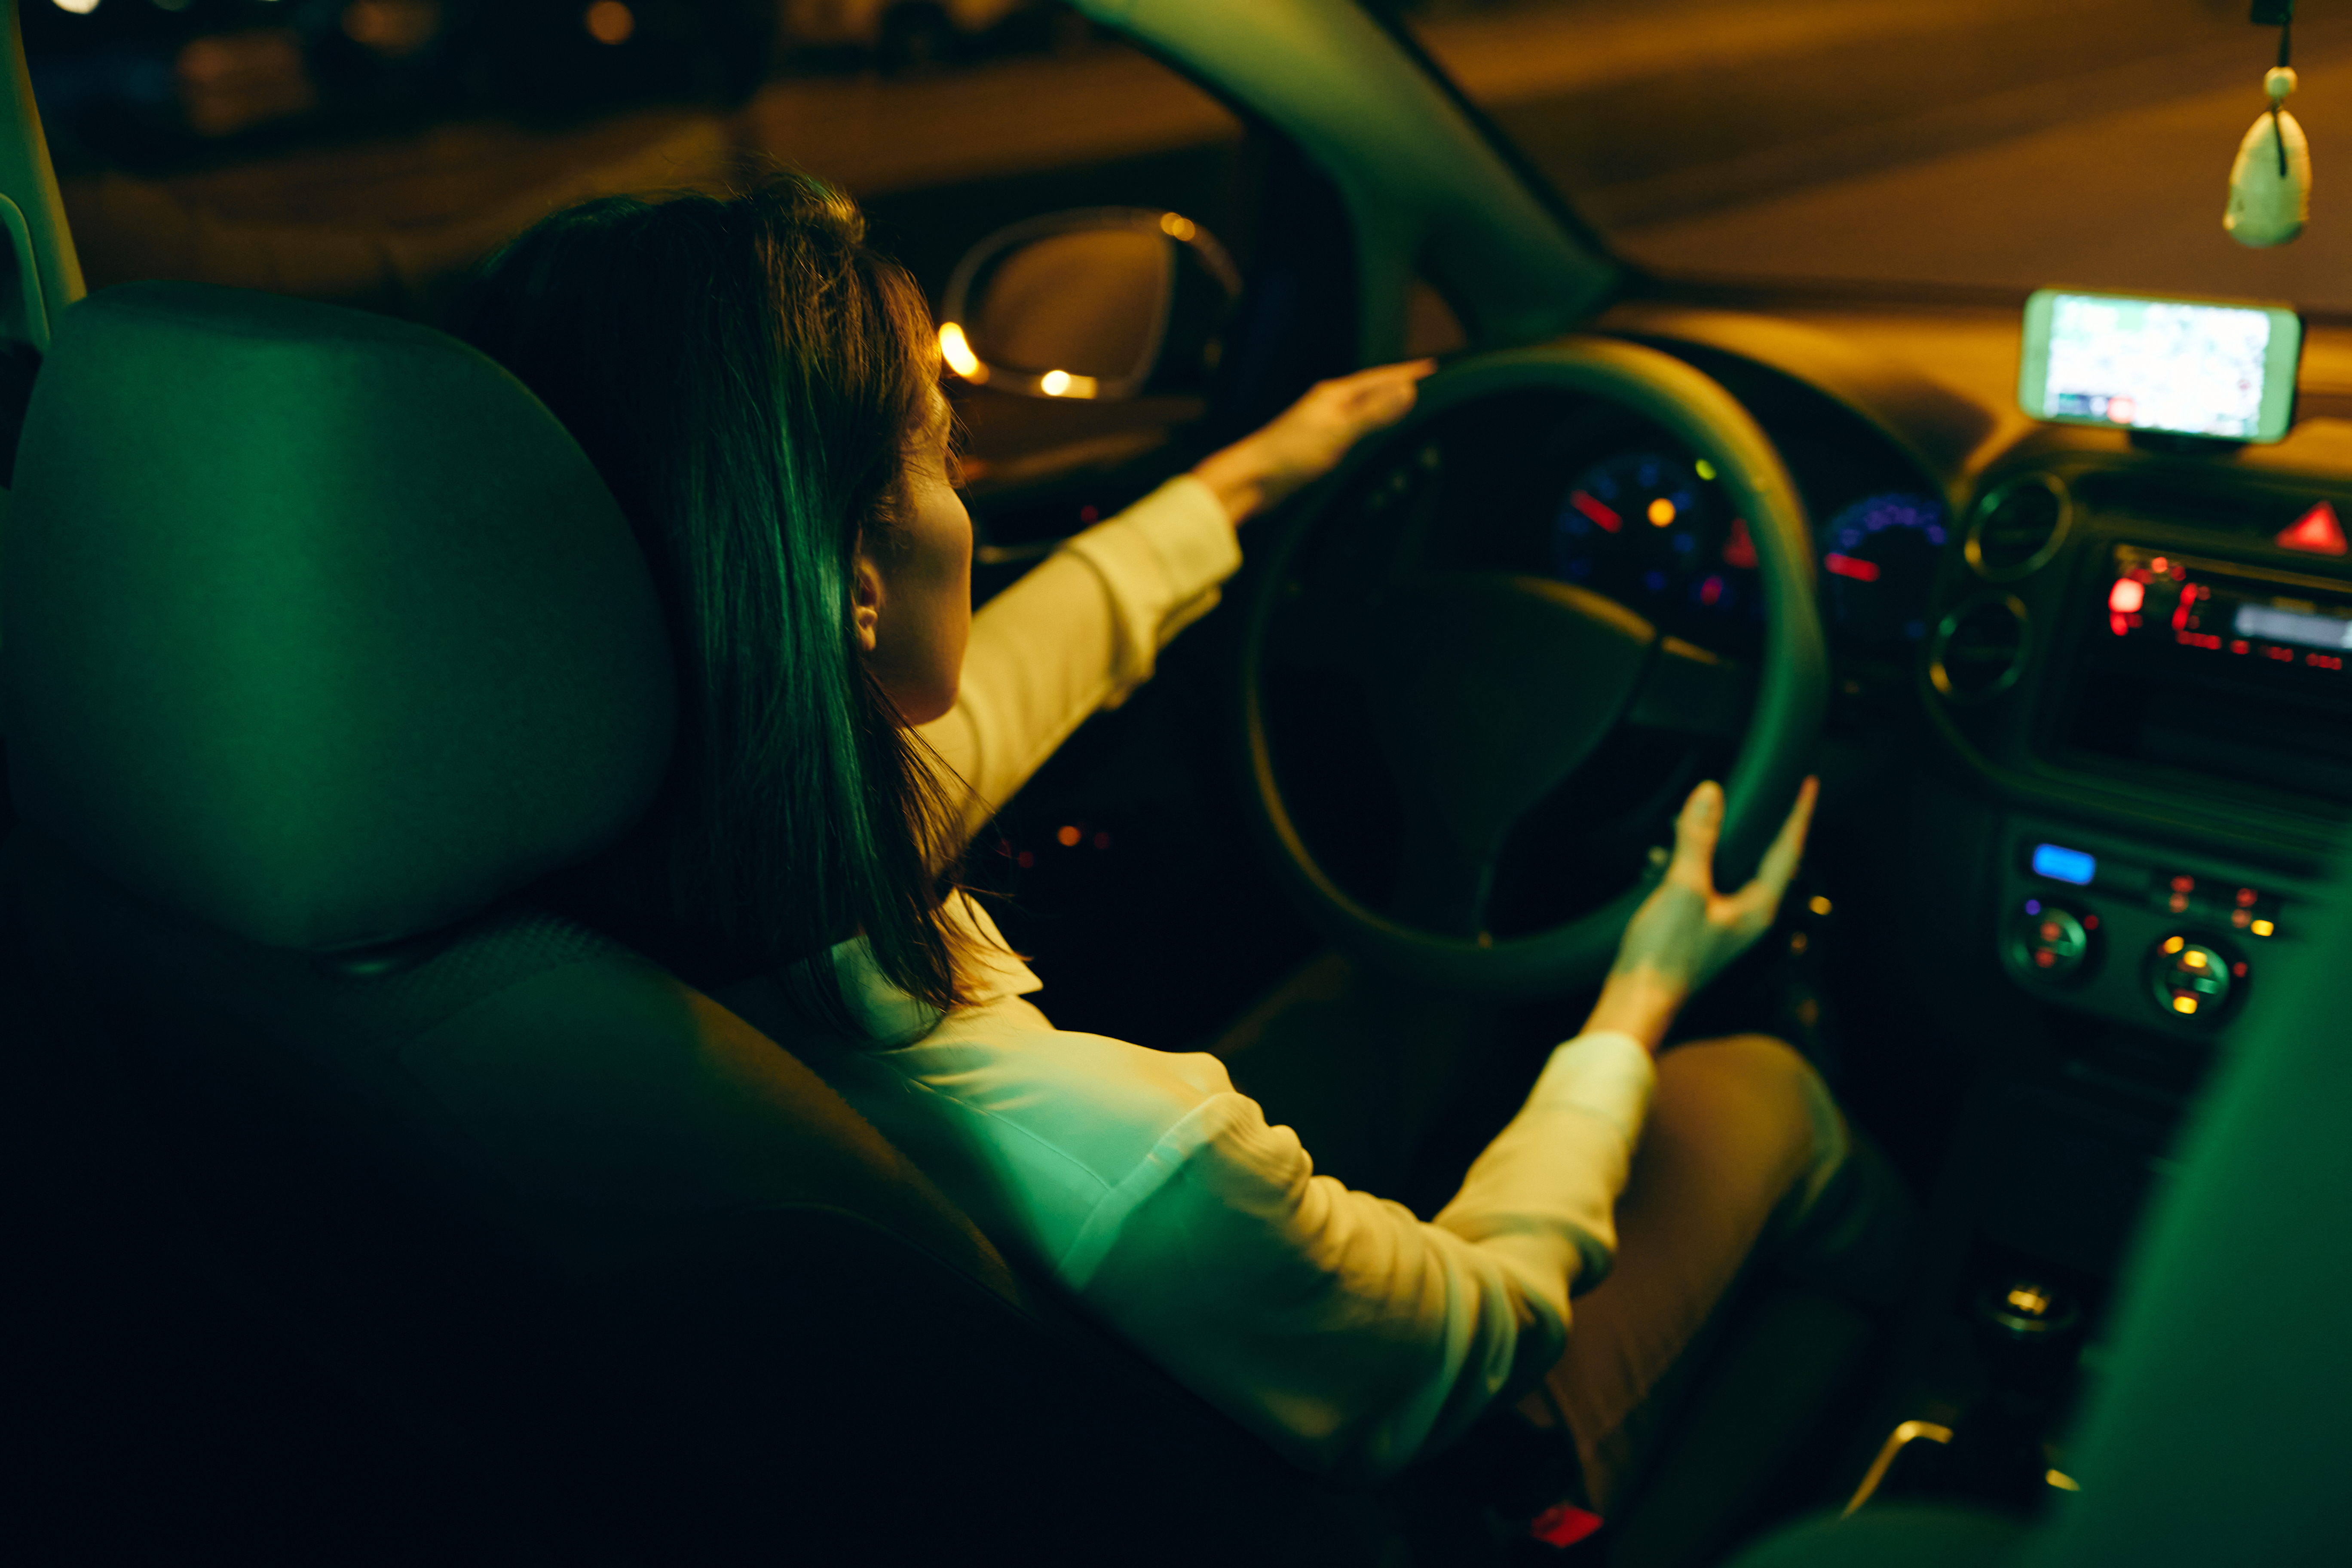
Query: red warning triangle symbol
1740,549
2316,532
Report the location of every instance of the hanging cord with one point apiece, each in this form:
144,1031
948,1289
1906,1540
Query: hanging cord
2286,49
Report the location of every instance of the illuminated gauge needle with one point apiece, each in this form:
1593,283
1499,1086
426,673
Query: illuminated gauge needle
1742,549
1595,511
1852,566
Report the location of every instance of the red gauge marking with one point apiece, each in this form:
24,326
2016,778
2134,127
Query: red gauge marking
1595,511
1740,550
1850,566
2315,532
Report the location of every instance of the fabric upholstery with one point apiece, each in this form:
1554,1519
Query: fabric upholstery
566,1220
319,627
1897,1536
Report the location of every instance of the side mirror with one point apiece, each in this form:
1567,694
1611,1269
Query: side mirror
1096,303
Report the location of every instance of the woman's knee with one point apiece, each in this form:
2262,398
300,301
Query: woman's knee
1754,1092
1760,1067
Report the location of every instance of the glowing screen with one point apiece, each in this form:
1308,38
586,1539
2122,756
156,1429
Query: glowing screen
2157,365
2303,626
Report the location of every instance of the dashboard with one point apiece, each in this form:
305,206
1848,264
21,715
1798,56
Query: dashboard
2122,673
2121,666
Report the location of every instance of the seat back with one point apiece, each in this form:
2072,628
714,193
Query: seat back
324,643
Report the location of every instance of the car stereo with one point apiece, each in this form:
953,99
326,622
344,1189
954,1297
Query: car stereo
2220,668
2180,367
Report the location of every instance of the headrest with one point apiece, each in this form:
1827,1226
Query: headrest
318,626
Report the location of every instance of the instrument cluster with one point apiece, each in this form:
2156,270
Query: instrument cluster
1655,531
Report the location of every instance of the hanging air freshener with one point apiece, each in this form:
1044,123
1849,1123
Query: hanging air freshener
2270,184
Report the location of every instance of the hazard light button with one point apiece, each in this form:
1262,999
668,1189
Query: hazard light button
2315,532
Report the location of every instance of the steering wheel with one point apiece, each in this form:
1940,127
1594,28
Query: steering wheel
1493,689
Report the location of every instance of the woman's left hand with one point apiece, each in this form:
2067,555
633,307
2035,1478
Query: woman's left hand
1686,931
1307,440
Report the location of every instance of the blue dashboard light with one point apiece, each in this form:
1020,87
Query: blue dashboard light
2063,865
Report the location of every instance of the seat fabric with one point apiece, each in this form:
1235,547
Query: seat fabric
591,1240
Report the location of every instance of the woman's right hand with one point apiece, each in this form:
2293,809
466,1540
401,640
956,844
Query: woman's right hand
1307,439
1686,932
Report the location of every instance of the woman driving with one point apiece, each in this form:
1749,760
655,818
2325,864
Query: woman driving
759,389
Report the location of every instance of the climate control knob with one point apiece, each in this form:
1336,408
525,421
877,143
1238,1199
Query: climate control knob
2194,979
2051,940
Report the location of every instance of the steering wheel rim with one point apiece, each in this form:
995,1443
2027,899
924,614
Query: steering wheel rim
1773,754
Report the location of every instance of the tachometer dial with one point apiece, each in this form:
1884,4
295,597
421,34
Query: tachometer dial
1878,558
1635,527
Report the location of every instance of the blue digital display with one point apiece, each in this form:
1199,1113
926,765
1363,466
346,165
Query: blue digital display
2063,865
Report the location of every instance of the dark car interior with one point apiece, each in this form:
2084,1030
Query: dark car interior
362,1210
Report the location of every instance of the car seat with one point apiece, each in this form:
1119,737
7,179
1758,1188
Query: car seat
324,642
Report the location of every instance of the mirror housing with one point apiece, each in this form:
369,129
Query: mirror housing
1094,303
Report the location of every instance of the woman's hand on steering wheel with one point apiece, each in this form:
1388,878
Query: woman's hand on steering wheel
1307,439
1686,932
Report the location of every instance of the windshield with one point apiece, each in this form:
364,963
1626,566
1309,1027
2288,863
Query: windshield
2002,143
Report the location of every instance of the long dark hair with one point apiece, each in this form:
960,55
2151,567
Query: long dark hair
748,375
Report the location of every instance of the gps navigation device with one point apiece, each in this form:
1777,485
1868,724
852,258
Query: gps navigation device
2181,367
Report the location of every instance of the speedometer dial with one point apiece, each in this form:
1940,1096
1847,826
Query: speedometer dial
1878,558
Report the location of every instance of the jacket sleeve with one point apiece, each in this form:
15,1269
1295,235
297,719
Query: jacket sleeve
1350,1335
1076,635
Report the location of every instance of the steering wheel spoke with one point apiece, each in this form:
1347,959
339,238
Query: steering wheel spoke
1691,690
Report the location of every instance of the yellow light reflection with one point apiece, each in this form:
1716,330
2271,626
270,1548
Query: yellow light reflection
2262,928
2184,1003
2062,1481
1818,904
1662,512
2174,944
1705,469
610,22
1062,383
2194,960
1178,228
956,349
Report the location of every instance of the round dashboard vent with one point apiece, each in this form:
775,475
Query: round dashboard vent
2018,527
1978,650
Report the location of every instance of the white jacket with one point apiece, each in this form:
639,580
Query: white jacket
1348,1333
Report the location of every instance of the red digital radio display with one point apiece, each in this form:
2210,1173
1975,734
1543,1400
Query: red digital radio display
2232,671
2239,613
